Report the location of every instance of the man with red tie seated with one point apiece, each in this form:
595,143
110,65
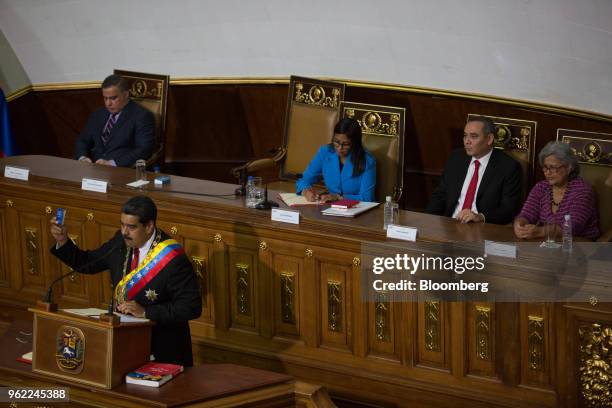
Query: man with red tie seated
151,274
119,133
479,183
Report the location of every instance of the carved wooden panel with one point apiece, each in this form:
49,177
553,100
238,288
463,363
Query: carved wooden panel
243,275
4,239
432,332
536,356
382,316
31,232
287,275
480,338
335,295
199,253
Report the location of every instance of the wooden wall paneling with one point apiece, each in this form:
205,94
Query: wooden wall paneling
288,289
244,281
336,299
536,340
4,240
481,336
433,334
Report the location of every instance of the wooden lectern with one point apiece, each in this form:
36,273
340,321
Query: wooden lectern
86,350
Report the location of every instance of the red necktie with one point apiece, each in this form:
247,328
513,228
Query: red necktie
135,259
471,192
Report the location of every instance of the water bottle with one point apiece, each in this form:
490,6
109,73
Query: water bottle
251,200
566,246
391,212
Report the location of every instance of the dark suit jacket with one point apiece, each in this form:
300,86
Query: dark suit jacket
176,285
499,193
132,137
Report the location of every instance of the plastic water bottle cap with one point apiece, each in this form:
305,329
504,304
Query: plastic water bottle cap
388,199
567,217
250,178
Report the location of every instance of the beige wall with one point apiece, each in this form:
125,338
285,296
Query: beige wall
551,51
12,75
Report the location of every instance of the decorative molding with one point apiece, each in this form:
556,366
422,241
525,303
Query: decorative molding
483,333
559,109
535,338
199,266
31,241
382,322
374,121
433,328
589,150
334,306
595,365
287,296
243,300
316,94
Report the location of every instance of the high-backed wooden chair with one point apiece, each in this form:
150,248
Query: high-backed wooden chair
517,138
312,111
594,152
383,136
151,92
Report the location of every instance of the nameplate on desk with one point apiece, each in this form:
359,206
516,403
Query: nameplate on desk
500,249
401,232
292,217
17,173
98,186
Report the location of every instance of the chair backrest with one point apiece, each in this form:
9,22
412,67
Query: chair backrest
594,152
151,92
312,112
516,137
383,136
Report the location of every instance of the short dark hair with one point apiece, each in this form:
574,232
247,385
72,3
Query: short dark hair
352,129
115,80
142,207
487,124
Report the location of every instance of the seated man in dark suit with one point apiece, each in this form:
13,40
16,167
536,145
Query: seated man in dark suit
479,183
120,133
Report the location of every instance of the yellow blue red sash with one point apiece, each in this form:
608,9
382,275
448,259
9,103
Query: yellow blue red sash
154,262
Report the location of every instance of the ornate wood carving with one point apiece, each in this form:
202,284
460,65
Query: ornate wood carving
32,262
334,306
432,329
536,343
596,364
243,301
483,333
287,290
383,319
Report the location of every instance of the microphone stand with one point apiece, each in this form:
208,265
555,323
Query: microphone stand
241,191
266,204
110,317
47,303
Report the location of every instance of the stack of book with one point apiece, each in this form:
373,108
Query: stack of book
153,374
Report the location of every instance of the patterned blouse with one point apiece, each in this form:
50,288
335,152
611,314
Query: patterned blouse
578,201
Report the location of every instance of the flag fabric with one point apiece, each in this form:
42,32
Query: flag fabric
8,147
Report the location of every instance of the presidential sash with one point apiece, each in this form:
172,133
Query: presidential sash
156,260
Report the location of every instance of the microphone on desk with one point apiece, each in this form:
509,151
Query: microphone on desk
266,204
242,180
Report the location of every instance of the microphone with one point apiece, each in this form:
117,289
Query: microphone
241,191
266,204
47,302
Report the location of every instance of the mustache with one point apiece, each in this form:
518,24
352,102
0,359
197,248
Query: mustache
127,238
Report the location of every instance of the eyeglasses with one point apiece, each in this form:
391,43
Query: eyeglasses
552,169
342,145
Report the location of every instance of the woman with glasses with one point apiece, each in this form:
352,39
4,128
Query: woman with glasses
563,192
348,170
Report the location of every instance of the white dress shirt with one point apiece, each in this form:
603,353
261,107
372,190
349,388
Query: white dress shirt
484,161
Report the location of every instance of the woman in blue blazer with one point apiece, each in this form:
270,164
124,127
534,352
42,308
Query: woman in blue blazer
348,170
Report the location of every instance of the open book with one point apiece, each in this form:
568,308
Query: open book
294,200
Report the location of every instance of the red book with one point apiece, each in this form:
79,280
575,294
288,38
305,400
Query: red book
344,203
153,374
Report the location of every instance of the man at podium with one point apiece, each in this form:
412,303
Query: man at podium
151,275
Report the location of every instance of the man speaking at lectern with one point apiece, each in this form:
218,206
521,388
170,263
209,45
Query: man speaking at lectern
151,275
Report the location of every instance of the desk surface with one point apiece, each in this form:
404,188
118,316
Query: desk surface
49,172
197,384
